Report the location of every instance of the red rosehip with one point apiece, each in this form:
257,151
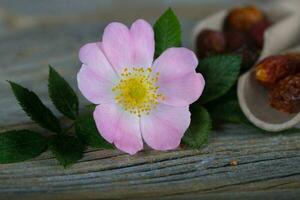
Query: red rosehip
243,18
249,56
210,42
235,40
257,31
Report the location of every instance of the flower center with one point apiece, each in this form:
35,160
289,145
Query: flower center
137,91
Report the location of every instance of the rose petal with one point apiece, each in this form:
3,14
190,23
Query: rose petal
93,57
143,43
178,81
96,89
175,62
183,90
119,127
117,45
164,127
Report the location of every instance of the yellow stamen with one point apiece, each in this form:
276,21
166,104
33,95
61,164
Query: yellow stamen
137,91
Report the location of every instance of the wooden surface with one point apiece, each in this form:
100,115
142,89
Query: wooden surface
266,166
34,34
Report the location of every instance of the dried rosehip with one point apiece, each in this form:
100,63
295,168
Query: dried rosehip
239,43
285,96
210,42
274,68
294,55
235,40
249,56
257,31
243,18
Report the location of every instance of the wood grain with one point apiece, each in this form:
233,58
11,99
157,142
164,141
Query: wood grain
34,35
267,165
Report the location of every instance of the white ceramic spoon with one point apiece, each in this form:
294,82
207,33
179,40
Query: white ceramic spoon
253,98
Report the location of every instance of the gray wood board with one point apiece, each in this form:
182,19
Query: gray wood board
268,166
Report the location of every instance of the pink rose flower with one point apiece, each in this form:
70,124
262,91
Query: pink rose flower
138,98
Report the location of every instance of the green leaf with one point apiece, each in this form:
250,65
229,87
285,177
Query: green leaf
87,131
62,95
21,145
67,149
220,73
228,111
35,109
228,96
167,32
200,128
91,106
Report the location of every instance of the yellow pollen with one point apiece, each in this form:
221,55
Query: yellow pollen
137,91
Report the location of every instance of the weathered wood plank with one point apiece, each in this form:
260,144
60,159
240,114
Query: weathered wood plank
266,164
